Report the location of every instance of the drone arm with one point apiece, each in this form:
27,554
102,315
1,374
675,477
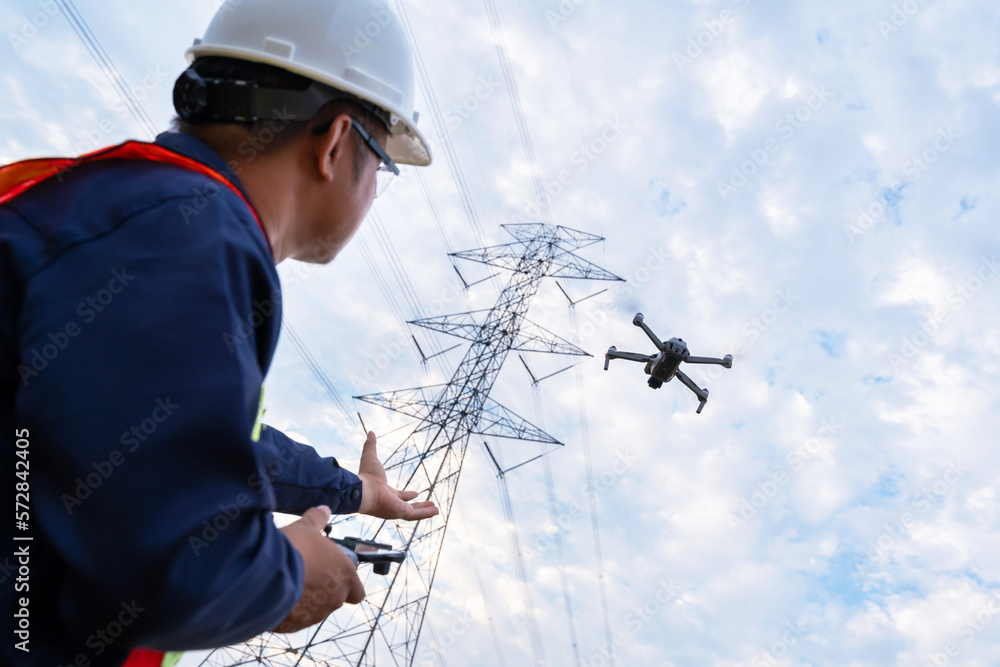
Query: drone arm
702,394
639,322
630,356
726,361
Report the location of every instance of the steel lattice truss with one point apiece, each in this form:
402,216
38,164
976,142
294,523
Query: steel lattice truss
385,628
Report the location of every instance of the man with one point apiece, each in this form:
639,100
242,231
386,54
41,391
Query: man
139,311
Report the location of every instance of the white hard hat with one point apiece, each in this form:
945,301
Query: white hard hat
357,46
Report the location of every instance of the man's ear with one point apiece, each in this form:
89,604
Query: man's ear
332,146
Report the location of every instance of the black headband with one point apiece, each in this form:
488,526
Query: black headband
239,101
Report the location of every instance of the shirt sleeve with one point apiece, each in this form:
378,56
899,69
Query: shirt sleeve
301,478
151,489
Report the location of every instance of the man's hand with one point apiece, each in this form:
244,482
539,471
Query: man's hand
380,500
331,578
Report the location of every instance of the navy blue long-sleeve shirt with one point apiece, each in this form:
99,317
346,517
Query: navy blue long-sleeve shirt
139,312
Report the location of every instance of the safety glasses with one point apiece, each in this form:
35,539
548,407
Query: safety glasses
387,169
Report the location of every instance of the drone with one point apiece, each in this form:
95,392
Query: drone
360,551
665,365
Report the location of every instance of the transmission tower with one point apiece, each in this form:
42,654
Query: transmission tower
385,628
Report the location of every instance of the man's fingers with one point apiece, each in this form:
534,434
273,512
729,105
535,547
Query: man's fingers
410,495
357,592
422,510
418,513
316,517
369,442
423,505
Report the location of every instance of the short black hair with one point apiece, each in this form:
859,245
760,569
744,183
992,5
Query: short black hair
270,76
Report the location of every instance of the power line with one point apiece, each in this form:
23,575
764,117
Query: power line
443,134
592,496
441,127
382,284
395,264
437,645
554,514
585,431
534,638
542,199
384,241
317,371
482,588
106,65
515,99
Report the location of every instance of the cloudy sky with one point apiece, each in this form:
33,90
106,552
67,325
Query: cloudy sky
804,185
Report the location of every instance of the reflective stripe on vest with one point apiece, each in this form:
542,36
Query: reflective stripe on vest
141,657
258,423
17,178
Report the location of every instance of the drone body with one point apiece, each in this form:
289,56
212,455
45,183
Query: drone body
664,366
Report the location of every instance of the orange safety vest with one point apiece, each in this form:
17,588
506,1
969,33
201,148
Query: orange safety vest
17,178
